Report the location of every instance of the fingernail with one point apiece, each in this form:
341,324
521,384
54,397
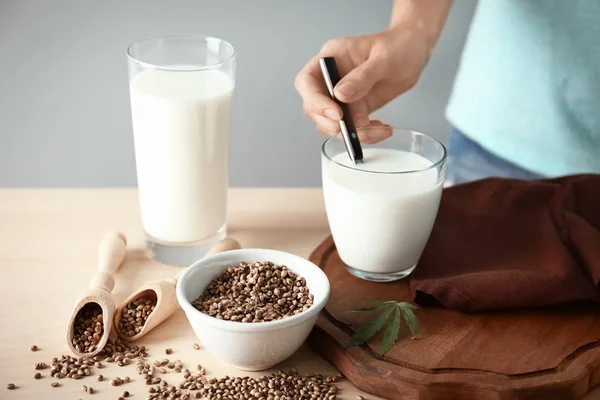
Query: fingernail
346,89
332,114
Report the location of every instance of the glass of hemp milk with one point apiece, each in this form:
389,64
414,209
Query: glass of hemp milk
381,211
181,90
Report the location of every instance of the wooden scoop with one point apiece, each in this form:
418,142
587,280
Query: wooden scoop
110,256
163,293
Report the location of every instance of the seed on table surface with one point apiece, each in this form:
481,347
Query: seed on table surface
255,292
169,351
91,390
55,384
89,319
41,365
100,378
126,394
280,385
360,398
163,370
135,314
196,346
164,361
38,376
11,386
84,388
115,382
127,379
34,348
121,398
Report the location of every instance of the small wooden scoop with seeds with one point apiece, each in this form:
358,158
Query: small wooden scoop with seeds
91,321
154,302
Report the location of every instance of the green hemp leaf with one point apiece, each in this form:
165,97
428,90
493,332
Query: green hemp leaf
390,317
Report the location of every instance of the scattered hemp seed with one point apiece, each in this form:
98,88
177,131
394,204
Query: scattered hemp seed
282,385
91,390
11,386
37,376
196,346
55,384
84,388
169,351
100,378
34,348
41,365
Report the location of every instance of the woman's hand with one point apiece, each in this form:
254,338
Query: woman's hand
375,68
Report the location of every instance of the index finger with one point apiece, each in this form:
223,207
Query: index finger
312,89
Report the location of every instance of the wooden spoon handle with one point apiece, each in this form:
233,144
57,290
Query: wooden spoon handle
225,245
174,279
110,257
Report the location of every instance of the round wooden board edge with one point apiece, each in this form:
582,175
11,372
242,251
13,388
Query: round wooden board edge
575,376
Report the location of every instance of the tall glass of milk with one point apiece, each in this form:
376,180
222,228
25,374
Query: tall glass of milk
381,212
181,90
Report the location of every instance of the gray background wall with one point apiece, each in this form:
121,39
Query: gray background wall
64,105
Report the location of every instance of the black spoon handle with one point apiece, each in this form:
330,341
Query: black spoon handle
331,74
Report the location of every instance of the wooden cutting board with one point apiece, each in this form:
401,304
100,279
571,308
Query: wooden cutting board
534,354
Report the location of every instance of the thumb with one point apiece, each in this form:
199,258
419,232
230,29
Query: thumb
357,83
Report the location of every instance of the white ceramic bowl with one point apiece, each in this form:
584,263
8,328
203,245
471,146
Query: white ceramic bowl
251,346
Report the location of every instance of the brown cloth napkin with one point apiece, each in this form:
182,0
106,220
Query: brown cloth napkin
505,244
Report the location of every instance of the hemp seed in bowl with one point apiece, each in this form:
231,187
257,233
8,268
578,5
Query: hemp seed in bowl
255,292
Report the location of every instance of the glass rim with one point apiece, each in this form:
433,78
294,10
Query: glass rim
180,36
436,164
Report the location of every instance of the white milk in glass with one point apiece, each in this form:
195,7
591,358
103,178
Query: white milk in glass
181,123
381,222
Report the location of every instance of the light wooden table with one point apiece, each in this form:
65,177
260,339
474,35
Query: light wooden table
48,243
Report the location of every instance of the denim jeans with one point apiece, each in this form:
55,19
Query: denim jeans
468,161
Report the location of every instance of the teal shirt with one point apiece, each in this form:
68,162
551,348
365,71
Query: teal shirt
528,86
